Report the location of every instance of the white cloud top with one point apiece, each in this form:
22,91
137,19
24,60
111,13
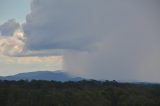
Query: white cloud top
12,45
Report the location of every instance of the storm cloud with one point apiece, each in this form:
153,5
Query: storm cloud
9,27
101,39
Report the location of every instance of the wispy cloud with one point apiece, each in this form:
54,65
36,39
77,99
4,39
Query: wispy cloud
13,65
35,60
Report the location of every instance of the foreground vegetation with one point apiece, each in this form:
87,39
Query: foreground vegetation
82,93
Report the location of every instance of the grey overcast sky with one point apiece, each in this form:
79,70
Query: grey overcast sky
101,39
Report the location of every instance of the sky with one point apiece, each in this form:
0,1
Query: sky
16,9
13,13
100,39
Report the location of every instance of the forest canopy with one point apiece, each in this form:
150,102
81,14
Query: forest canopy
81,93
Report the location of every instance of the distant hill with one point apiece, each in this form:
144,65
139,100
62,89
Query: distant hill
43,75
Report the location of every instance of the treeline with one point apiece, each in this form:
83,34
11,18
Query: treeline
82,93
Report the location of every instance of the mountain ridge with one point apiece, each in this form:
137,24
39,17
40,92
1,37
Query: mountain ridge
43,75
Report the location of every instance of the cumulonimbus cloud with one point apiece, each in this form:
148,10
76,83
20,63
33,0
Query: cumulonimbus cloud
103,39
100,38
